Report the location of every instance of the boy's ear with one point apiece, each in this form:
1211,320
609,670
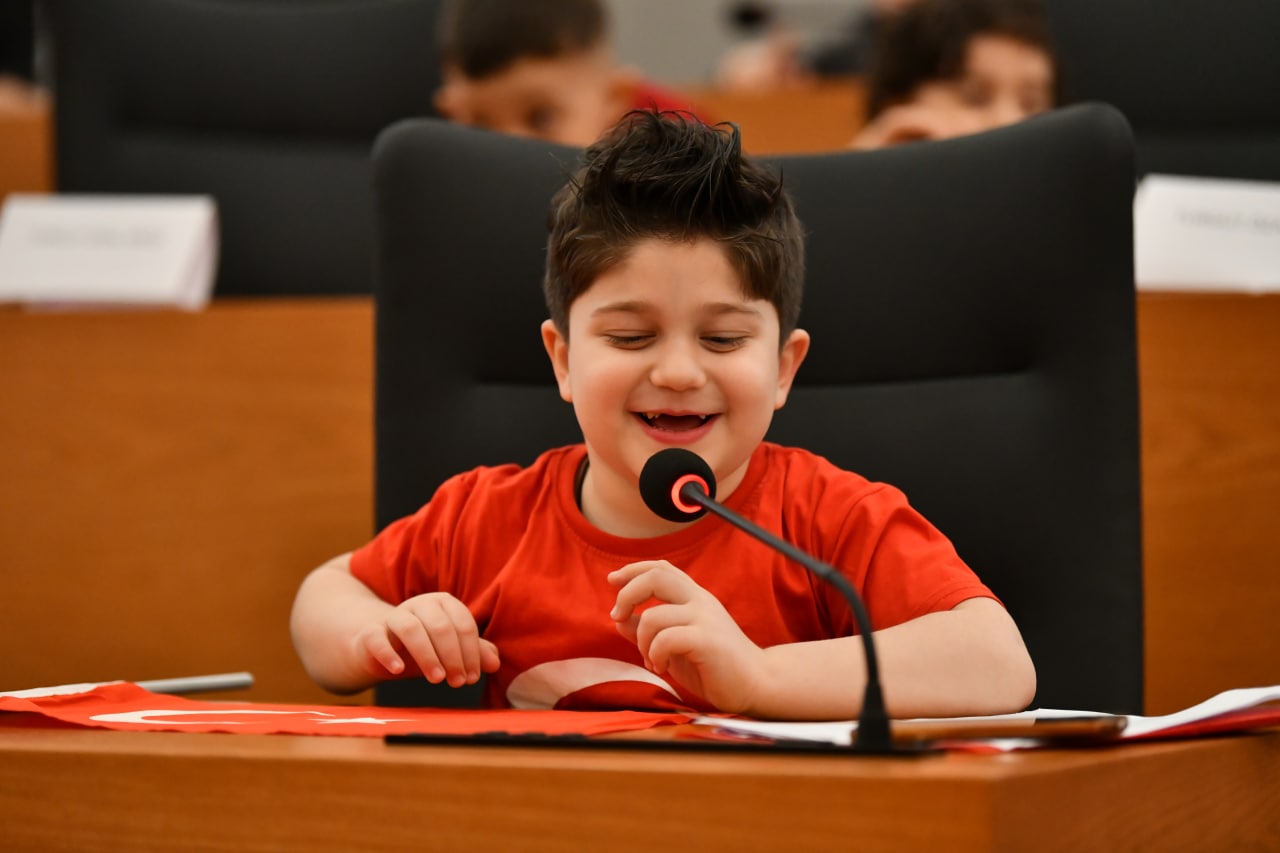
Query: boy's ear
557,347
789,361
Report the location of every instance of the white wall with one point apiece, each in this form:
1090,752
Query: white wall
680,41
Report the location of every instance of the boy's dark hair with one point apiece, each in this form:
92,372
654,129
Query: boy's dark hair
927,41
662,175
483,37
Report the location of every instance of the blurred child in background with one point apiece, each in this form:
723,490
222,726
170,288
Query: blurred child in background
543,69
943,68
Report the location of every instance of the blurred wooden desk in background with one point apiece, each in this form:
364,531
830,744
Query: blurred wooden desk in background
823,116
169,478
26,139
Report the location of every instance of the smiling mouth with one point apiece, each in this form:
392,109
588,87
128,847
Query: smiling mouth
673,423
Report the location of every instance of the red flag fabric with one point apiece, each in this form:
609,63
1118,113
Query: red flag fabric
125,706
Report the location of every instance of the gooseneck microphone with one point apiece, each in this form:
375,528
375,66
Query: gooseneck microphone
678,485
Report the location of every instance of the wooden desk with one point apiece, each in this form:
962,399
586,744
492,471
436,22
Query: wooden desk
1210,384
85,789
823,116
26,139
166,480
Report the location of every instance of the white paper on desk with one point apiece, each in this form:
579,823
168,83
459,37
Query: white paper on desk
93,250
841,733
1206,234
1228,700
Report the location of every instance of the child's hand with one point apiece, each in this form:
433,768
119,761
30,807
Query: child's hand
687,633
439,636
918,122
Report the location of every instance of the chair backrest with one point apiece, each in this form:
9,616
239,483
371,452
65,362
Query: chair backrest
269,106
1195,78
973,317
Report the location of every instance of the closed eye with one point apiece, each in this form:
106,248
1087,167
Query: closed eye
628,341
724,343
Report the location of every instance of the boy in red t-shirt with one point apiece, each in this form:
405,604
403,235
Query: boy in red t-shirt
673,281
542,69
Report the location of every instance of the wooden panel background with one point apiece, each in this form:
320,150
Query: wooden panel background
1210,371
166,479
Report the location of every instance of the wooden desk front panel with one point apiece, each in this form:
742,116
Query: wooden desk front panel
68,789
168,479
1210,380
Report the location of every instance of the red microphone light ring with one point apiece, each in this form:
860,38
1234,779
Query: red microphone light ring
679,501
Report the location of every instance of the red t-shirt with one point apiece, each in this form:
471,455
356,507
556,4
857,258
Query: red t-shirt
511,544
650,96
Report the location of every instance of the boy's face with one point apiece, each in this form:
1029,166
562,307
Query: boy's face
569,99
1004,81
667,351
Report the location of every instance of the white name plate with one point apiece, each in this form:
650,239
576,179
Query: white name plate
96,250
1206,234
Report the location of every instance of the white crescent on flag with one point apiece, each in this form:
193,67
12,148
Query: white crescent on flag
542,686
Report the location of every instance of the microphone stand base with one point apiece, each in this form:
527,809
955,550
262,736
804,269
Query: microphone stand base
901,749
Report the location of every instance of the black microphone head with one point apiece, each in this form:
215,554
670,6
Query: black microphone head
664,476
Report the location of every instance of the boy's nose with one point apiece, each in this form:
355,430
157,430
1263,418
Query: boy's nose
677,366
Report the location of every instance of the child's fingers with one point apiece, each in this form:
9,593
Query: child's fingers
655,620
446,636
489,657
619,577
462,628
661,580
627,628
382,653
675,641
408,628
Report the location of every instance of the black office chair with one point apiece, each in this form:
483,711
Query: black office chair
269,106
972,310
1195,78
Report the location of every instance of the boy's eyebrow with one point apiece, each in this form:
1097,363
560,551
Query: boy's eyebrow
628,307
640,307
719,308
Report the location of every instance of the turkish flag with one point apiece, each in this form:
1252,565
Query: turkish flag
125,706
